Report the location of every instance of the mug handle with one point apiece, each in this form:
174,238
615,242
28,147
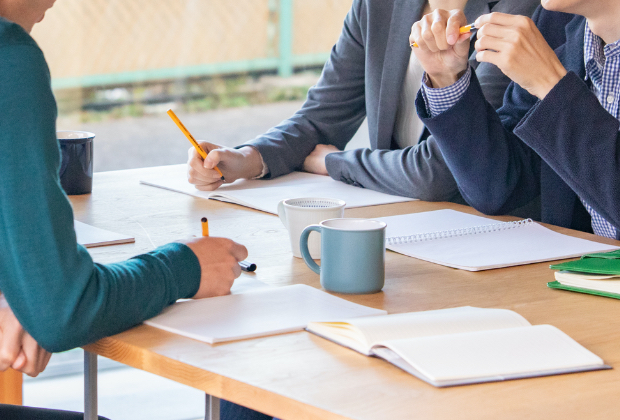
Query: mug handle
282,213
303,247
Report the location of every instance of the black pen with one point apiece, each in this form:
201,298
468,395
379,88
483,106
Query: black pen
247,266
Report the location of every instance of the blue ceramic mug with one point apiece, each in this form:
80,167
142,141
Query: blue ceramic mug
76,168
352,254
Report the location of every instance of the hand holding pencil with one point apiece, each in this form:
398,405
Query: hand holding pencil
235,164
442,40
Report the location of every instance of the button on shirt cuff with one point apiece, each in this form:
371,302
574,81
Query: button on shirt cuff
438,100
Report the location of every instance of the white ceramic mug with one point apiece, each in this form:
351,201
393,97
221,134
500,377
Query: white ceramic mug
297,213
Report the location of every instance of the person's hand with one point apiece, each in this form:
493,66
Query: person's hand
219,264
442,50
515,45
235,164
315,161
18,350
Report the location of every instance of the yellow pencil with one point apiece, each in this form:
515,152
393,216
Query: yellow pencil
205,226
192,140
462,30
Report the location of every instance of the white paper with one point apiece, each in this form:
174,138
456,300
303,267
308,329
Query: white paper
257,313
265,195
494,355
90,236
523,245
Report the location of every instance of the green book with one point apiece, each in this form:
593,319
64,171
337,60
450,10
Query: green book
600,263
560,286
595,274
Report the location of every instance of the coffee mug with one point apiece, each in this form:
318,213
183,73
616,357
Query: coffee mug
297,213
76,168
352,255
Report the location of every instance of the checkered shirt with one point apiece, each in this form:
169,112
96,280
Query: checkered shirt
602,69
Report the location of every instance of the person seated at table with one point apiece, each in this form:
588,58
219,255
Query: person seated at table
55,291
370,73
557,133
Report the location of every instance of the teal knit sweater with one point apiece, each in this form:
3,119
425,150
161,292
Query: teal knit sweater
58,294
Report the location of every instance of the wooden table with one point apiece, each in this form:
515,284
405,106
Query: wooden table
301,376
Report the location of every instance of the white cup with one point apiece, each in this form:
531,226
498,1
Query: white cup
297,213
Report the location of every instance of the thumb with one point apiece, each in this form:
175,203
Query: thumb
213,159
20,362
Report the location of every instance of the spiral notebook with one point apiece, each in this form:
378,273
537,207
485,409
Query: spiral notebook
474,243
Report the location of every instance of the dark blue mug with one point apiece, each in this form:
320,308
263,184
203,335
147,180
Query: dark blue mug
76,168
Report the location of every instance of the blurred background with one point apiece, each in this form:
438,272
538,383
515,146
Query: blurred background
229,69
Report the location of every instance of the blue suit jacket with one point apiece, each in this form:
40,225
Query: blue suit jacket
363,79
563,147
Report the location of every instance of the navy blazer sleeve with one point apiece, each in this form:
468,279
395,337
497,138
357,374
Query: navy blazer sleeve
497,156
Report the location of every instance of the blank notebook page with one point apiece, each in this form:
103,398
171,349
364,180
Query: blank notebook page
495,355
257,313
266,194
525,244
443,321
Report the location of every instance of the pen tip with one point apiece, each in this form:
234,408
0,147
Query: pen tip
222,178
203,220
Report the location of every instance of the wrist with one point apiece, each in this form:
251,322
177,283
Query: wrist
548,83
442,80
253,162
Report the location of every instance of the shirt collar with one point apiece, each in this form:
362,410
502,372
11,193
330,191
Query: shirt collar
595,54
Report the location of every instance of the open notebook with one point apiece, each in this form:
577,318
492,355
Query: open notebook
463,345
265,195
90,236
256,313
474,243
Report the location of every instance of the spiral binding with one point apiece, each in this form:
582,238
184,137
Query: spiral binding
420,237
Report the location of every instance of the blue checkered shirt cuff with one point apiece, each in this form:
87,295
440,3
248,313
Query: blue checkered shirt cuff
438,100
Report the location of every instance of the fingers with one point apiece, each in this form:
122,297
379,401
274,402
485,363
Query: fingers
20,362
438,31
213,159
209,187
197,174
239,251
31,350
502,19
452,31
10,343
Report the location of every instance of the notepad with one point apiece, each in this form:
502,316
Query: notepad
256,313
465,345
474,243
90,236
265,195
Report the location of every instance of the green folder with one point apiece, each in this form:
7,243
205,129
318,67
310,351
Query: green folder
600,263
558,285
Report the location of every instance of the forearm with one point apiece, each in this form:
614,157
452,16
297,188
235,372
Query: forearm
64,300
579,140
494,170
417,172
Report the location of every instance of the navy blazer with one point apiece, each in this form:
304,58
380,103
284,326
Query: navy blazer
563,147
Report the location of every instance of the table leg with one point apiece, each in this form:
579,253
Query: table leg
90,386
212,408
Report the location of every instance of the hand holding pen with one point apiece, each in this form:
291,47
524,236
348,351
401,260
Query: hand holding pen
442,47
244,265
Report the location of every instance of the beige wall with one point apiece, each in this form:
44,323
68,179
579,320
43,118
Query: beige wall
94,37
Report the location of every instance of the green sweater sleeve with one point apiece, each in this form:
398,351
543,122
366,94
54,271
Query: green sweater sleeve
59,295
